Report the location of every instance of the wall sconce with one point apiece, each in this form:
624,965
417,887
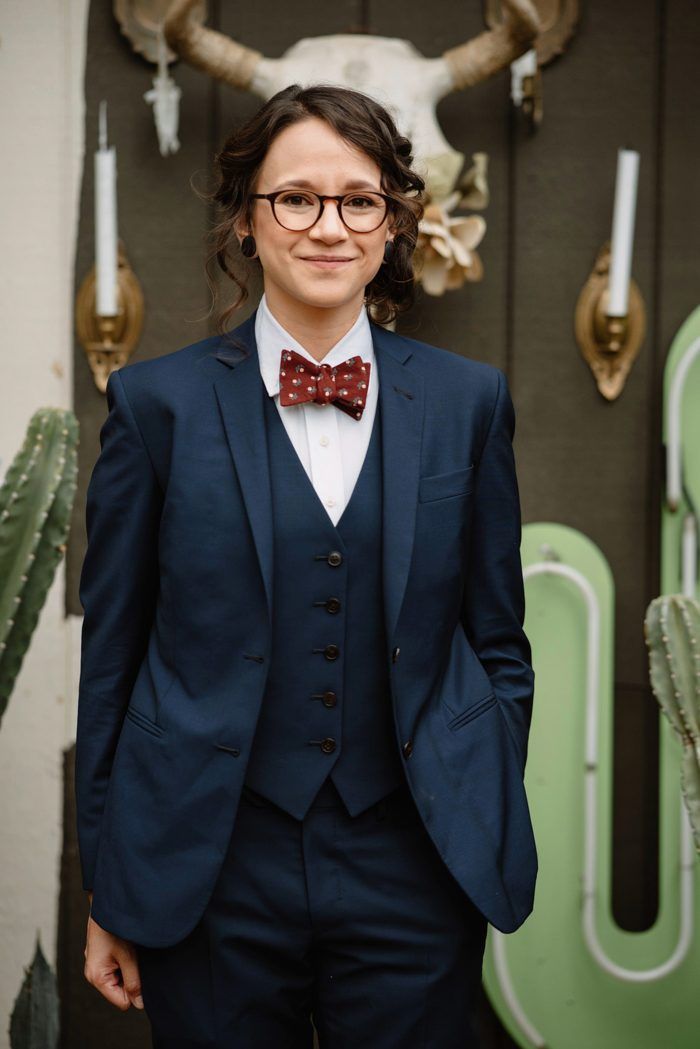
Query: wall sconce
109,303
610,319
109,339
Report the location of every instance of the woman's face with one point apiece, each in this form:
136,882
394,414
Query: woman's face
312,155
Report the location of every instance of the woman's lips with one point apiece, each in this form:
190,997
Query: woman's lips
329,264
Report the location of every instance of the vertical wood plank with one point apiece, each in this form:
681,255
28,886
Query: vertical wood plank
161,222
582,460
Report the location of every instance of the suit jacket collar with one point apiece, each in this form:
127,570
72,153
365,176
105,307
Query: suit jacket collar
239,390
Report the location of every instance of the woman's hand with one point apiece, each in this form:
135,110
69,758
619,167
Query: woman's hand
105,956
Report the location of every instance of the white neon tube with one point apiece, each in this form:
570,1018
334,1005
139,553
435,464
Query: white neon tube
674,480
590,887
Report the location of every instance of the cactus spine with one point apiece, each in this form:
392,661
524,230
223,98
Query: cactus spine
672,633
36,500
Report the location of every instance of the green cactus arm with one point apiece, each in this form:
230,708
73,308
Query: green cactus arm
672,631
689,666
35,1019
36,498
661,671
690,788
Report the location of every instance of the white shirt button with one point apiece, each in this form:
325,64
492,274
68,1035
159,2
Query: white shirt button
323,440
330,502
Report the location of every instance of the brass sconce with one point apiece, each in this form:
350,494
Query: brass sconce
609,320
109,341
608,344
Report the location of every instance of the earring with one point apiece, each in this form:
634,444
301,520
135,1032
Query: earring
248,246
388,251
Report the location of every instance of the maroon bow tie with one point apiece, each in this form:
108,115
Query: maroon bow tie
344,385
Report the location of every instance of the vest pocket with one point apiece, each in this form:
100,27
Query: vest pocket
473,711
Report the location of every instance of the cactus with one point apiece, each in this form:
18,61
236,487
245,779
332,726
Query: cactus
672,633
34,1023
36,500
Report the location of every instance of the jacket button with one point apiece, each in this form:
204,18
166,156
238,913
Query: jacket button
335,558
331,651
395,655
328,745
333,604
329,699
407,748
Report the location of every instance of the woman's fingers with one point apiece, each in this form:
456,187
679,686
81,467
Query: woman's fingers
112,968
131,978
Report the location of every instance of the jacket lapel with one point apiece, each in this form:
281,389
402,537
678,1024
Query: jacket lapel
239,391
401,399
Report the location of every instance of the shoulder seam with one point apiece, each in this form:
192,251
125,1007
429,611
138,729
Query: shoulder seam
493,410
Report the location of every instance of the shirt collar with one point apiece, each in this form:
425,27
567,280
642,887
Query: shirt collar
272,338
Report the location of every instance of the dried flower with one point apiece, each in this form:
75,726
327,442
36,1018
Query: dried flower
446,255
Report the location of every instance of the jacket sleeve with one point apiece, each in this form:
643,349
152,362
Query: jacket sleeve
493,607
118,589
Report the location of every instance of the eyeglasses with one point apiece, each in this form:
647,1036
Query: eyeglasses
298,210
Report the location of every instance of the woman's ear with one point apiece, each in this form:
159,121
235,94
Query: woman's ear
239,232
241,228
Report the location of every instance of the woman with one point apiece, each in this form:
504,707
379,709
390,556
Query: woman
305,689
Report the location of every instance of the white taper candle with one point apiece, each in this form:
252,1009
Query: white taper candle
105,221
623,231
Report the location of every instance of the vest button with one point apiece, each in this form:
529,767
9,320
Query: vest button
331,651
328,745
335,558
407,748
329,699
333,604
395,655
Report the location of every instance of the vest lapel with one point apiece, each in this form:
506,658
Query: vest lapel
239,390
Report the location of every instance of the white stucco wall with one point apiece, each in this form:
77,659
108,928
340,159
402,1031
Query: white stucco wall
42,44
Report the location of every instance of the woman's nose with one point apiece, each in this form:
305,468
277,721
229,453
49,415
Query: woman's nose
330,223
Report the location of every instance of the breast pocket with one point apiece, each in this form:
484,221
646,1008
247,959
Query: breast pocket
445,485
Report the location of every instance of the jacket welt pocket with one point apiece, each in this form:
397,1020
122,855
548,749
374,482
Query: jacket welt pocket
441,486
143,722
473,711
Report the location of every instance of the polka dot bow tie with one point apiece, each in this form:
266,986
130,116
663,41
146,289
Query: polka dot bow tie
344,385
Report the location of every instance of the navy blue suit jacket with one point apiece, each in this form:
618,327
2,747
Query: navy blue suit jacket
177,595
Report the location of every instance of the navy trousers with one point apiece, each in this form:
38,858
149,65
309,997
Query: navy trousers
357,923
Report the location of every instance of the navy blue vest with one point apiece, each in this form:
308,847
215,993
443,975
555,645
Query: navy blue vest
327,705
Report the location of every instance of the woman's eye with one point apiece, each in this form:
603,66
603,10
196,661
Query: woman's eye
294,200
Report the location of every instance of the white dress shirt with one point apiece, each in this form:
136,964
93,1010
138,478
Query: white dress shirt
330,443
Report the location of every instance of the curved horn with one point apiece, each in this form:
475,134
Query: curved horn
207,49
491,51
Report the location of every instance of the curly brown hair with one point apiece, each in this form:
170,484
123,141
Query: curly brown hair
361,121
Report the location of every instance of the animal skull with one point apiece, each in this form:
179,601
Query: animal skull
390,70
